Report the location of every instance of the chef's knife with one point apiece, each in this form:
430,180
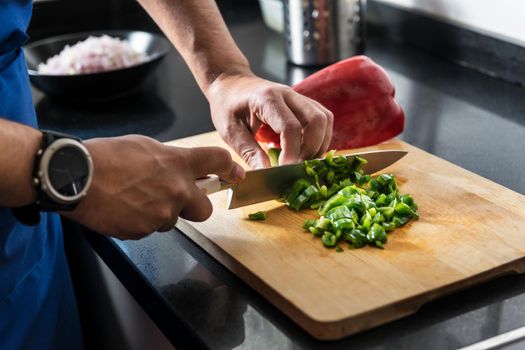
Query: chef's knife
265,184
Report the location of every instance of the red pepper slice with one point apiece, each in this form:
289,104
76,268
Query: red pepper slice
361,97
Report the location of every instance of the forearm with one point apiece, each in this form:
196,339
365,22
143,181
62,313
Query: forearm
199,33
18,147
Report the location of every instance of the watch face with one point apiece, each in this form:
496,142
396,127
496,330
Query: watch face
68,171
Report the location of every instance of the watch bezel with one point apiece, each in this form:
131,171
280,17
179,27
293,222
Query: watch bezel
43,171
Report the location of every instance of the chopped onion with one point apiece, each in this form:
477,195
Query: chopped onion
95,54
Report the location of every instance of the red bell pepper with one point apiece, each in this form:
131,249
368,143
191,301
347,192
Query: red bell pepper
361,97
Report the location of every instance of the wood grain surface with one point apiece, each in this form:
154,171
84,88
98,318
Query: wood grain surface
471,230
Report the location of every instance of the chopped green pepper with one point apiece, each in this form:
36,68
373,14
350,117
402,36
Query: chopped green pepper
260,215
329,239
353,206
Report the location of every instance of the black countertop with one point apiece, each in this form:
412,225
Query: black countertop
470,119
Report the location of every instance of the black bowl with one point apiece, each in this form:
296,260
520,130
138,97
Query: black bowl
103,85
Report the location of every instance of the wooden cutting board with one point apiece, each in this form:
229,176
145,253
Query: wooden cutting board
471,230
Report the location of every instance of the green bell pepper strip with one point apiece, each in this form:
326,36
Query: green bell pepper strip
259,216
356,238
309,195
387,212
403,209
273,155
400,220
344,224
377,234
388,226
333,202
329,239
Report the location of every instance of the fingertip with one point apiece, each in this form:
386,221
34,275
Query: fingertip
286,158
238,173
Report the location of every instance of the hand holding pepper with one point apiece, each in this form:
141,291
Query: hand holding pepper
361,97
241,103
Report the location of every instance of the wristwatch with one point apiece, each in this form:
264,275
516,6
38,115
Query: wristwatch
62,174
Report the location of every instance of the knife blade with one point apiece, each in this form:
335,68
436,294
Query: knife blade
266,184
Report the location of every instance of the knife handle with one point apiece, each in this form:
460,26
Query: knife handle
209,184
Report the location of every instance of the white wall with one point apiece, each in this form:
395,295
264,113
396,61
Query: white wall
503,19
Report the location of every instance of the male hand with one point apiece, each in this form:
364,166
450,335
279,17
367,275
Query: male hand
241,102
141,186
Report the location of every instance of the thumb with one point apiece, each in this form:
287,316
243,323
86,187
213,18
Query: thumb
244,143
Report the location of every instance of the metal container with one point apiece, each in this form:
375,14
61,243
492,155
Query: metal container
320,32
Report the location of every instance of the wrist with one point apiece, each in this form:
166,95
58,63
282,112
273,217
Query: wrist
61,176
215,80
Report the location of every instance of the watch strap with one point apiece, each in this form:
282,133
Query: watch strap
30,214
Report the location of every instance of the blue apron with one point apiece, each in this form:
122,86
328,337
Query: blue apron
37,304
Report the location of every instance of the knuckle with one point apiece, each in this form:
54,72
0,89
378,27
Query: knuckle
292,127
319,118
248,154
329,116
183,194
224,157
164,214
268,93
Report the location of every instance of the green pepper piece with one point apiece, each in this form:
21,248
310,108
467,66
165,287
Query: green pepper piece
403,209
333,189
323,223
366,222
338,213
384,179
375,185
323,190
348,191
299,186
391,197
357,163
345,182
381,199
388,226
329,239
329,177
367,201
309,223
377,234
408,200
329,156
260,215
344,224
310,194
356,238
356,203
315,231
364,179
377,218
400,220
273,154
338,249
332,202
317,204
309,171
388,212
